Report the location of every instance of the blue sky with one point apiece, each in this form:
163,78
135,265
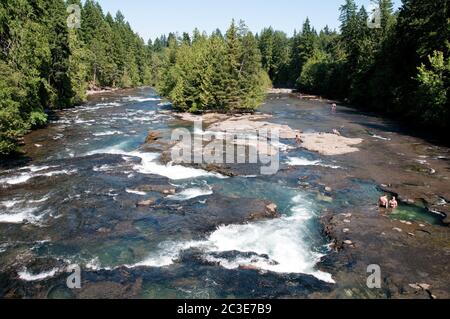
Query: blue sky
151,18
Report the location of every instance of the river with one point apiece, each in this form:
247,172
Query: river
76,199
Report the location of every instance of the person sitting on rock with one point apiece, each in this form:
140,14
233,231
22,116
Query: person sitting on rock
384,202
393,203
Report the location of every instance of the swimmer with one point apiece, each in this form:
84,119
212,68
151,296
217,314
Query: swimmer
384,202
393,203
298,139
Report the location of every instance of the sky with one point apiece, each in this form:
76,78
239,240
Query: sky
151,18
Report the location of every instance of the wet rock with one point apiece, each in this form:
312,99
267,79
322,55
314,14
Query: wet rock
163,189
425,286
251,124
248,267
148,202
158,146
324,198
220,169
330,144
107,290
415,286
104,230
152,137
272,209
230,170
206,118
171,191
195,220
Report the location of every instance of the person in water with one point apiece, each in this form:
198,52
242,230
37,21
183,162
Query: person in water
333,107
393,203
384,202
298,139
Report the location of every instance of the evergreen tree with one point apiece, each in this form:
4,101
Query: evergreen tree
233,67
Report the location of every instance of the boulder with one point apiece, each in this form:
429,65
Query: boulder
272,209
152,137
248,267
147,202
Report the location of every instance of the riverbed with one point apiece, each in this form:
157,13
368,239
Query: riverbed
87,193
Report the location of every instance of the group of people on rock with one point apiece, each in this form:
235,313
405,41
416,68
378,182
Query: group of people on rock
386,203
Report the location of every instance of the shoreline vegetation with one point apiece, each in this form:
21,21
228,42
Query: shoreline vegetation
401,68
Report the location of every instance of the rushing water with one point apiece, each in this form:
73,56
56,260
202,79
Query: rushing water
75,201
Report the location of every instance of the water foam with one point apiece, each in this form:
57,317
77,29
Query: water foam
190,193
135,192
283,240
150,165
301,161
107,133
165,104
10,203
27,276
16,217
141,99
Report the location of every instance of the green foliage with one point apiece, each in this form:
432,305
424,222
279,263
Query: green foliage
400,68
12,125
434,89
45,65
275,52
313,74
37,119
215,72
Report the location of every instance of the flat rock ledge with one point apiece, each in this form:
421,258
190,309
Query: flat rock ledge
330,144
250,124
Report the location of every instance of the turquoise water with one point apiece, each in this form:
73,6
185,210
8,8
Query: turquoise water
415,213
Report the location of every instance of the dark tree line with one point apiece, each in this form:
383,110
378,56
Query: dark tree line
219,72
46,65
401,68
